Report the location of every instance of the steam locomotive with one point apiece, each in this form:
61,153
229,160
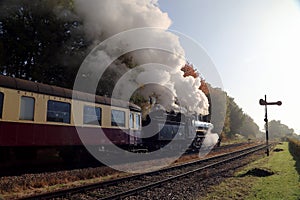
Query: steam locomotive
35,116
186,132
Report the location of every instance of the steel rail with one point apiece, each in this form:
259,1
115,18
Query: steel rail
158,183
89,187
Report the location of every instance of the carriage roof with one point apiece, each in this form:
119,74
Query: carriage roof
30,86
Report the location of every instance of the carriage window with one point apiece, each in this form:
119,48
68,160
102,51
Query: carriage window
27,108
137,121
131,120
1,103
92,115
118,118
58,111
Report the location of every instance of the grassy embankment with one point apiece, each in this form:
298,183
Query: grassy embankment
283,184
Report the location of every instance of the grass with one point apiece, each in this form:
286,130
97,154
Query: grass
284,184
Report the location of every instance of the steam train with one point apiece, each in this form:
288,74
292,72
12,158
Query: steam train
186,132
35,116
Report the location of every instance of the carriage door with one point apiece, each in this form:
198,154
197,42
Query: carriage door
131,128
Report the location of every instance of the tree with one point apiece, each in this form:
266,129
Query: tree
249,128
41,41
189,70
279,130
219,111
236,117
228,118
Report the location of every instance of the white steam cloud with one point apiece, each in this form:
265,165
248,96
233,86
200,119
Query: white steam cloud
105,18
211,139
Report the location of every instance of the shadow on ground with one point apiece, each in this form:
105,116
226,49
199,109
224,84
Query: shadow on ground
258,173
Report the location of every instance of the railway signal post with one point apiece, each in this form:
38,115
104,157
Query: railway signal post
265,103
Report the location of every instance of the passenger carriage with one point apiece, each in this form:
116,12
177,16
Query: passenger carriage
35,116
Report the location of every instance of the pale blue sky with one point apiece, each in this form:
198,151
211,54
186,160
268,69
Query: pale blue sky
255,45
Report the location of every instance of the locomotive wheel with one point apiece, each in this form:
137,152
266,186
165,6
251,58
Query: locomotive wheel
197,143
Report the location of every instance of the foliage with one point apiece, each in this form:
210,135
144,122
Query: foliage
113,73
279,130
235,120
249,128
189,70
294,147
236,116
218,111
41,41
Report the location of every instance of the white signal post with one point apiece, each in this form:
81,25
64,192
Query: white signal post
265,103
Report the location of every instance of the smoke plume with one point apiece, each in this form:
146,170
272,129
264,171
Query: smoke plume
105,18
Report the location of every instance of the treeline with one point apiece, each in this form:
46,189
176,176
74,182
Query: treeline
236,121
228,118
279,130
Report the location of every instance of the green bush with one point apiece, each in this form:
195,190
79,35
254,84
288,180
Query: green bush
294,147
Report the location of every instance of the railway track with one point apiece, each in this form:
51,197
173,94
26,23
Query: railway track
136,184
